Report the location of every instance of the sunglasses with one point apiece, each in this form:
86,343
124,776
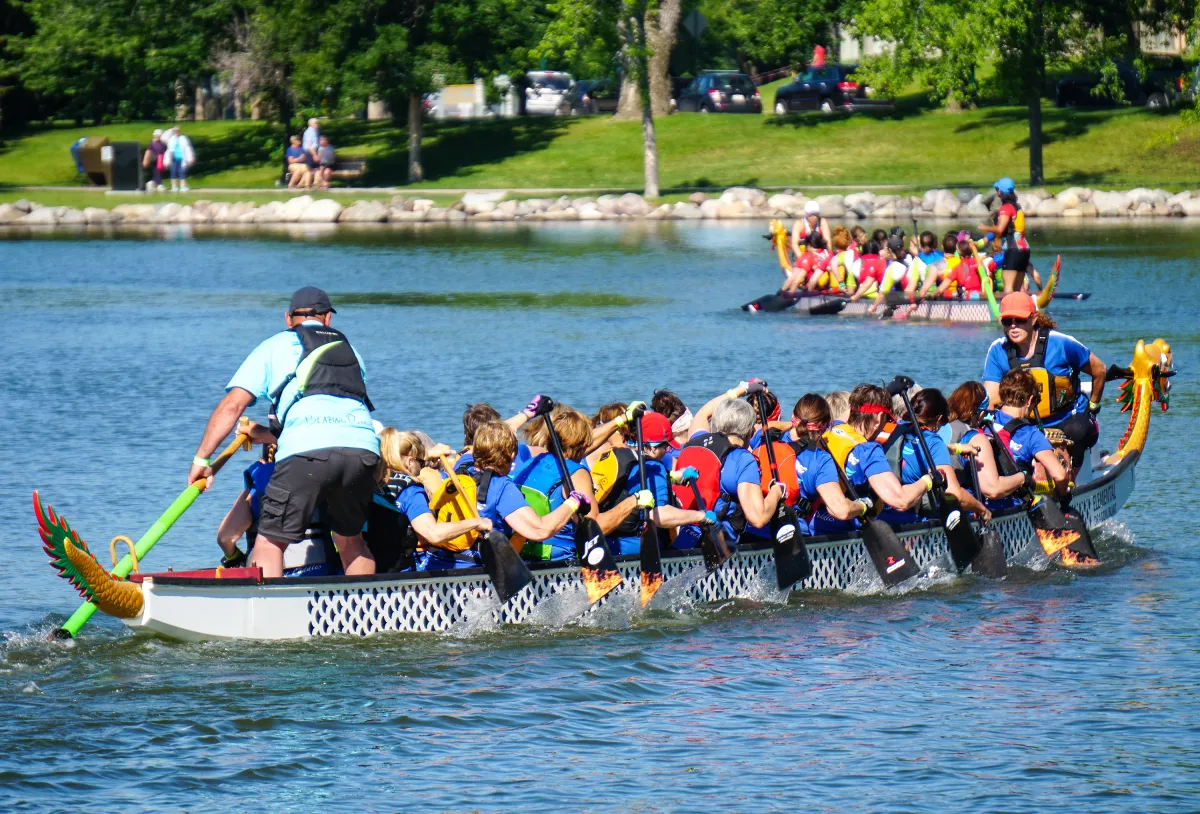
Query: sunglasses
1009,322
655,444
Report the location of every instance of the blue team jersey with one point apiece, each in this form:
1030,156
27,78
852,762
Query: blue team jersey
541,473
1065,356
657,483
814,468
1026,442
502,499
864,462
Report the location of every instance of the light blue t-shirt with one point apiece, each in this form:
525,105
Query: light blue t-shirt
314,422
311,139
1065,356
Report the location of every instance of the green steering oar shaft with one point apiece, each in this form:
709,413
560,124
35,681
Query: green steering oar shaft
147,541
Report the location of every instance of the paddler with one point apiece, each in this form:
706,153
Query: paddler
819,487
476,415
328,451
723,427
1010,229
670,405
963,279
1057,361
869,271
403,457
863,460
621,523
1025,440
541,475
967,442
811,241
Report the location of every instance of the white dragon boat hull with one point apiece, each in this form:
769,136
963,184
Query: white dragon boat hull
196,609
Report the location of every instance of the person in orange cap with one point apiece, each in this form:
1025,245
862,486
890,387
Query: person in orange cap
1057,361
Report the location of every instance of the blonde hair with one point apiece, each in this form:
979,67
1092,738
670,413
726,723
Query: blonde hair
494,447
393,445
573,428
839,405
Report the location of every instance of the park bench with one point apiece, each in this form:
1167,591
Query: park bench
346,168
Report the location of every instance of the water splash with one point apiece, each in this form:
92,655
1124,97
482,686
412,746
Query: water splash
480,614
866,581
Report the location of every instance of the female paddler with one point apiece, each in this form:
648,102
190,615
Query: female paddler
816,472
967,441
1010,230
811,242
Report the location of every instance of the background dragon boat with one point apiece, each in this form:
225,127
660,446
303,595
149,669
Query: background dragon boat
239,603
897,306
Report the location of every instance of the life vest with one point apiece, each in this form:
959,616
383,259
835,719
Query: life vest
610,474
449,504
885,433
1014,233
616,487
1004,455
388,534
1056,393
785,460
327,367
541,483
707,454
872,268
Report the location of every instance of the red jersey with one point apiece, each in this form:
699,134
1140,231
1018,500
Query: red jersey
873,267
1016,237
967,275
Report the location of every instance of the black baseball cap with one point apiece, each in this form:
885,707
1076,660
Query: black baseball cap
311,298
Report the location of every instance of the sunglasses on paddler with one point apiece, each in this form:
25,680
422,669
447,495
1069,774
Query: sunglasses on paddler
1009,322
655,444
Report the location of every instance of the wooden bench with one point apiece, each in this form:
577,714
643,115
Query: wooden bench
350,168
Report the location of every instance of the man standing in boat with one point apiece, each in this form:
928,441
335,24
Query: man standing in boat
320,413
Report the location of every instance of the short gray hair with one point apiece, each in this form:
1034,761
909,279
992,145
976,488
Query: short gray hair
733,417
898,408
839,404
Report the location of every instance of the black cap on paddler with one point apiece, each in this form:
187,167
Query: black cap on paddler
311,298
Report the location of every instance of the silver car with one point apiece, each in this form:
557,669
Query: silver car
548,93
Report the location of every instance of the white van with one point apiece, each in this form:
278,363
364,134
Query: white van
548,92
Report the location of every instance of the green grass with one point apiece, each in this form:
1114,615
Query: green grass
914,148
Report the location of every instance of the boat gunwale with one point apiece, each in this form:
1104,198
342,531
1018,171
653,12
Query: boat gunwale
822,541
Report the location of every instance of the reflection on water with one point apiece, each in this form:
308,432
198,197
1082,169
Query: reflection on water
1047,691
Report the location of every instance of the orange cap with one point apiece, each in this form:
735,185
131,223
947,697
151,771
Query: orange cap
1017,304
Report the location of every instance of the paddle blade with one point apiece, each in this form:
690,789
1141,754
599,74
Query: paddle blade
508,572
1082,553
652,577
990,562
714,547
1053,531
600,574
792,563
891,559
961,539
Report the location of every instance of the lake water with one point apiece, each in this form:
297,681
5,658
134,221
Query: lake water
1045,692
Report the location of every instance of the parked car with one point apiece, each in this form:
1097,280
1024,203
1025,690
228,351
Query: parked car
828,88
1159,88
591,96
720,92
547,93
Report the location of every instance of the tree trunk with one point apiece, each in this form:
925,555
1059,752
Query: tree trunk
650,151
629,105
1036,77
662,30
285,117
415,171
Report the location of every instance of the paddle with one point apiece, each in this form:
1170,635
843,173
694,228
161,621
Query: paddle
161,526
961,539
1083,545
508,572
887,553
990,561
792,563
1053,531
713,544
652,577
600,574
985,282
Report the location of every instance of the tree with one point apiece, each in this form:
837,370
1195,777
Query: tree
770,33
635,57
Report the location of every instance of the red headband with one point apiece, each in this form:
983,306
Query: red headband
875,409
774,416
811,426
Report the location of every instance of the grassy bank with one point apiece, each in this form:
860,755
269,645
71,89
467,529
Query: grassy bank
913,147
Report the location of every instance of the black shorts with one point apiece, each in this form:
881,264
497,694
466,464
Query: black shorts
343,479
1081,429
1016,259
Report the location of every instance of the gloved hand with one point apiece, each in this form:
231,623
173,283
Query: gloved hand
739,391
782,489
755,386
867,505
1094,407
235,560
939,479
899,385
710,519
684,475
582,503
633,412
645,499
539,405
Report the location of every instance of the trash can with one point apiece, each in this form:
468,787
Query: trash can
93,161
124,165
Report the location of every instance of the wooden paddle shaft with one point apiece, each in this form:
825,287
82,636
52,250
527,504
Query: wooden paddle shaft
471,509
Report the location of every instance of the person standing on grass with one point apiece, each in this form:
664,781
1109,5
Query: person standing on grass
181,157
154,161
312,141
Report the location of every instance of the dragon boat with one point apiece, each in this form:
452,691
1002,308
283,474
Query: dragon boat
897,305
239,603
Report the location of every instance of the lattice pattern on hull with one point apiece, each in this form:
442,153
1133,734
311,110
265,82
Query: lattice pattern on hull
930,310
437,604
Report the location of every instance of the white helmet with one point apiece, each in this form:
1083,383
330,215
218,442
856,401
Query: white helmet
812,208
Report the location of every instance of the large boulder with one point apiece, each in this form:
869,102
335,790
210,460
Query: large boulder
365,212
633,205
788,204
930,198
734,210
185,215
965,195
9,213
1141,195
293,209
1180,197
268,212
166,213
133,213
750,195
71,217
853,200
661,213
1088,209
1191,207
476,202
24,206
96,215
710,209
976,208
1051,208
45,216
590,211
325,210
401,215
1110,204
888,210
686,211
697,198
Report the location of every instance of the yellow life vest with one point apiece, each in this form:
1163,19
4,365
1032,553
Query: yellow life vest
841,439
1019,222
1055,393
449,505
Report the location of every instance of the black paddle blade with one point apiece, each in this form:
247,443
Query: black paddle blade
990,562
713,546
652,577
1081,553
891,559
961,539
771,303
827,308
508,572
1053,530
792,563
600,574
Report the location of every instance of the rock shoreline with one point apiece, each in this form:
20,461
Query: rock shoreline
735,203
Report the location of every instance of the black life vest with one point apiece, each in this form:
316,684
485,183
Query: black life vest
893,449
1057,393
327,367
626,461
389,534
806,507
1004,457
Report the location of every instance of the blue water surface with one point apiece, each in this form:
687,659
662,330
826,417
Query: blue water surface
1049,691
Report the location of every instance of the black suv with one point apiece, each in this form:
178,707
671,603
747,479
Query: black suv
1158,89
828,88
590,96
720,92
